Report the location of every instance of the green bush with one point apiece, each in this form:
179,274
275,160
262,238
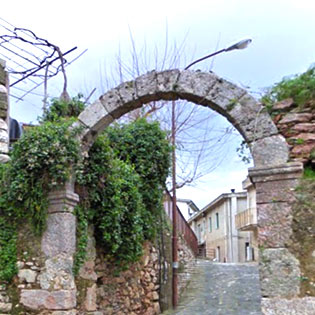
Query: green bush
122,186
144,145
299,87
40,160
59,109
8,259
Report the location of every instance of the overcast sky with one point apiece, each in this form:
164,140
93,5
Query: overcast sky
282,32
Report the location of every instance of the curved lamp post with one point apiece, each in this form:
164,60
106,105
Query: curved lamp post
240,45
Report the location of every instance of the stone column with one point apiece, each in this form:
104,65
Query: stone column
58,291
279,269
4,114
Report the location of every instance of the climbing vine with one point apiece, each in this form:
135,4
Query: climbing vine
121,188
40,161
120,184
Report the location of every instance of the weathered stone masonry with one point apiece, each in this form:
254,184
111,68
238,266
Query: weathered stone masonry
275,180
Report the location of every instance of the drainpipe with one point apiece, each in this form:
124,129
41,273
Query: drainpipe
174,239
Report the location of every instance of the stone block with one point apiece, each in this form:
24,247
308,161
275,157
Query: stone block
112,101
276,191
51,300
296,306
63,200
4,137
305,137
3,113
292,170
167,82
4,148
304,127
196,83
90,299
293,118
96,116
60,234
3,73
279,273
4,158
250,118
3,101
5,307
3,125
274,224
27,275
226,95
146,87
284,105
270,151
303,149
57,273
127,92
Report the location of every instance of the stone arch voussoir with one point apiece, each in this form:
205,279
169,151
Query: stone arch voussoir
207,89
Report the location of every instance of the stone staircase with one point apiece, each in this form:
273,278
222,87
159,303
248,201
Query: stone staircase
220,289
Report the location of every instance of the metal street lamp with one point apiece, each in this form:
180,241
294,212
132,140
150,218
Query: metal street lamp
240,45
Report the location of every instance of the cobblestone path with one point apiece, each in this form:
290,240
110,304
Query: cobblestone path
221,289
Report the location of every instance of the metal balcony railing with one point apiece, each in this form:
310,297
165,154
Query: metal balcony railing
246,220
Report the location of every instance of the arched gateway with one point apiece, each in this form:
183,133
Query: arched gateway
272,175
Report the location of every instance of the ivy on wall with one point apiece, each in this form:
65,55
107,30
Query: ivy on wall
120,184
121,187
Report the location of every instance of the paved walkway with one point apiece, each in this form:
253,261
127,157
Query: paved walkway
221,289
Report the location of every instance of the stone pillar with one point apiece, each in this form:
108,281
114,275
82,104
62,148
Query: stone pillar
279,269
58,291
4,114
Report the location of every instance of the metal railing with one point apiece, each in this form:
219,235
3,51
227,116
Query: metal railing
183,228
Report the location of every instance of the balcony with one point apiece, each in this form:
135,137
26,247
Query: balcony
246,220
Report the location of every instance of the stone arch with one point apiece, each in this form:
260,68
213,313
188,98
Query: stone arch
273,177
206,89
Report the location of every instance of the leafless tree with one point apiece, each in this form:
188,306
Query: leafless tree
200,139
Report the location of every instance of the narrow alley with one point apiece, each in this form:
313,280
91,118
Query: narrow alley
221,289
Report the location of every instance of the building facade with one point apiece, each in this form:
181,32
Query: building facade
218,236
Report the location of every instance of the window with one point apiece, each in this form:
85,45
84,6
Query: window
210,224
217,225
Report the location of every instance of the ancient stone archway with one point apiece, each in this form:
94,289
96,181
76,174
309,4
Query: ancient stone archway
273,177
207,89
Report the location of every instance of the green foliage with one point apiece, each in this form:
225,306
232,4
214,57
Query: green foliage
299,87
8,250
122,185
243,152
60,108
40,160
309,174
144,146
82,237
114,203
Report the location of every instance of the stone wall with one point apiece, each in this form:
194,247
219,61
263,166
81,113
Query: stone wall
4,116
144,288
297,125
187,262
103,290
